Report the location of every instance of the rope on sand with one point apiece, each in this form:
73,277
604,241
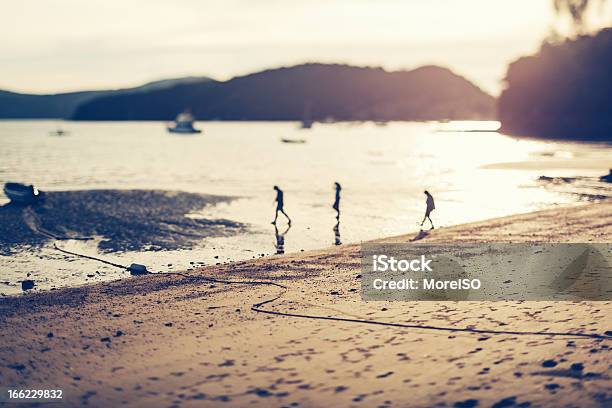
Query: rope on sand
89,257
257,307
33,222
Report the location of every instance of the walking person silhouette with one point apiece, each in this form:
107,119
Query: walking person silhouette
279,205
430,207
336,205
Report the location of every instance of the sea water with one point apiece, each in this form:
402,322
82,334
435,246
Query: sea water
383,170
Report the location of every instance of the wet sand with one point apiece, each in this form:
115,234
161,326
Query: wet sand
110,224
182,341
127,220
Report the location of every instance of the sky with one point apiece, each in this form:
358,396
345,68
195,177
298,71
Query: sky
66,45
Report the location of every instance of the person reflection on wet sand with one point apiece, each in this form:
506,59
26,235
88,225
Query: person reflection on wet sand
336,205
280,239
337,240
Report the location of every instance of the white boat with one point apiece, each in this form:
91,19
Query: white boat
184,124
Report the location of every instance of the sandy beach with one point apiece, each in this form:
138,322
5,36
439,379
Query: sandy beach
217,206
185,341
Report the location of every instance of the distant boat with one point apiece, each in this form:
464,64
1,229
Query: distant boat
59,132
284,140
607,178
184,124
22,194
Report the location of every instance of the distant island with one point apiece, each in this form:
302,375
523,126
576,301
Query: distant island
15,105
563,92
316,91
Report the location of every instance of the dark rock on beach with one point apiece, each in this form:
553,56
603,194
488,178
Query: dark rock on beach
27,284
469,403
577,367
17,367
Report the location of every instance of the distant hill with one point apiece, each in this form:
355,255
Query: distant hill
564,91
27,106
321,91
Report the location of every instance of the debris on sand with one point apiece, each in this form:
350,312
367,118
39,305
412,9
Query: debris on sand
27,284
138,269
17,367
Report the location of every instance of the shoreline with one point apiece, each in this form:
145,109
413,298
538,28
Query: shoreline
439,236
182,340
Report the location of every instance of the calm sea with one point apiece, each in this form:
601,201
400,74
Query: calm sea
383,171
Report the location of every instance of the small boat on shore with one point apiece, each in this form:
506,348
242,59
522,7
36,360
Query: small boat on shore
184,124
607,178
22,194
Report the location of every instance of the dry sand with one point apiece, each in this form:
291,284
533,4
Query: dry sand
176,341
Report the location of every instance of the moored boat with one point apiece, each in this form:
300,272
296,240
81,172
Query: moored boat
184,124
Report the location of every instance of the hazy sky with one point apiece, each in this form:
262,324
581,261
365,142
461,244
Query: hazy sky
59,45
